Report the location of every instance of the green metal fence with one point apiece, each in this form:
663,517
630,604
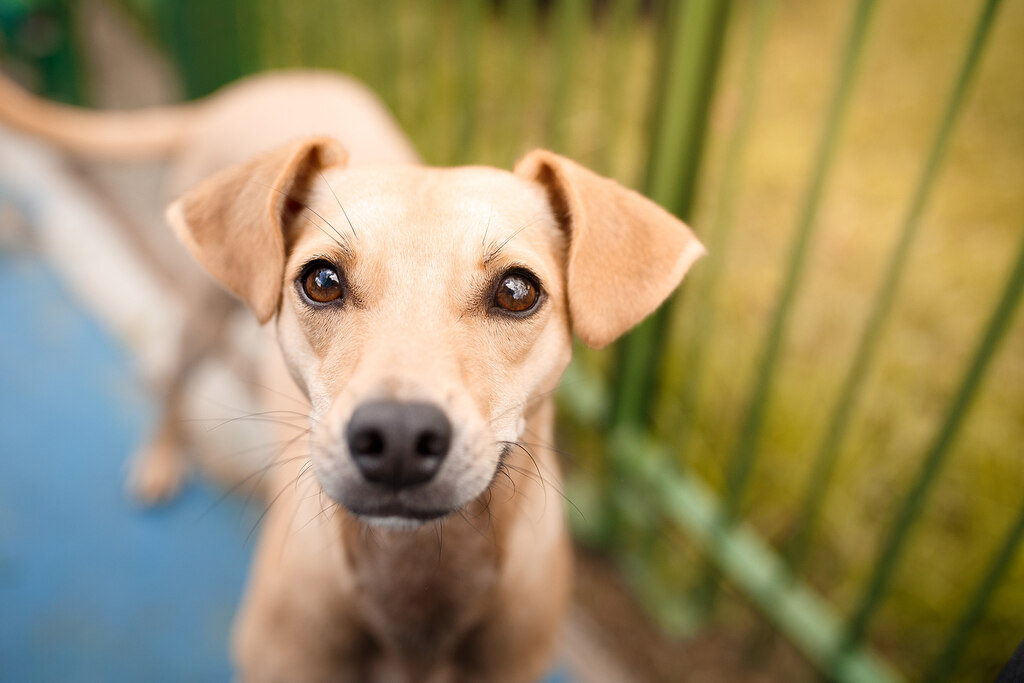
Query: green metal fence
634,89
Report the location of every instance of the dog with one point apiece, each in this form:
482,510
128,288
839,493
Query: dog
425,315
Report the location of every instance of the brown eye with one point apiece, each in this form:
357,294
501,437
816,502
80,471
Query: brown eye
322,283
516,293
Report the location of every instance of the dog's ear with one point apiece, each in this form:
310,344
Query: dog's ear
626,253
233,222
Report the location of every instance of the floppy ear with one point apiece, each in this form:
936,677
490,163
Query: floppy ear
626,253
234,221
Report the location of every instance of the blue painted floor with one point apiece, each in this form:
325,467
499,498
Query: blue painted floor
91,587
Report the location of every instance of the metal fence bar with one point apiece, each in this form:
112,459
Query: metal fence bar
569,19
692,56
943,667
828,450
745,450
440,150
621,21
896,539
749,562
744,453
521,16
468,29
721,230
385,14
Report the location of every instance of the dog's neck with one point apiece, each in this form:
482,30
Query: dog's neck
407,582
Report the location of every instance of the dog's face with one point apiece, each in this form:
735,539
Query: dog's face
436,315
426,312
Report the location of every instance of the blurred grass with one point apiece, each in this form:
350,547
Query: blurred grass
488,96
957,268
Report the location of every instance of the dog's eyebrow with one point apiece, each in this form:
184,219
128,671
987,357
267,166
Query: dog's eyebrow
492,250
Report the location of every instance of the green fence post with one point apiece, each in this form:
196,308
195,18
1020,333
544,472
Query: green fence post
718,236
943,667
570,16
744,453
621,22
745,450
521,19
828,450
692,55
895,540
387,55
468,25
206,43
440,115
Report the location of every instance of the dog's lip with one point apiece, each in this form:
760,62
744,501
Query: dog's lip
395,508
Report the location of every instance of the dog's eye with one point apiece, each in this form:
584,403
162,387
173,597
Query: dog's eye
322,283
517,293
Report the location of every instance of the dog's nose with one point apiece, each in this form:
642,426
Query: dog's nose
398,444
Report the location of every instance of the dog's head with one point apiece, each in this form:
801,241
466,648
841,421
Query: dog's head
426,312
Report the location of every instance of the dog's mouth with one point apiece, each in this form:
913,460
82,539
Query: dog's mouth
431,501
382,510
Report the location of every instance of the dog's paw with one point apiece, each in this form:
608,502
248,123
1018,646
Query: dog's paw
156,474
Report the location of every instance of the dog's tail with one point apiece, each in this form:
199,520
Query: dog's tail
119,135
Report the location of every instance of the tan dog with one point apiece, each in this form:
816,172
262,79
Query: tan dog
427,315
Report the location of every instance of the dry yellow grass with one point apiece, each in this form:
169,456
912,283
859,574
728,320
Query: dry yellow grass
970,232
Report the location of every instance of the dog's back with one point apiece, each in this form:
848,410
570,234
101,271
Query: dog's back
233,124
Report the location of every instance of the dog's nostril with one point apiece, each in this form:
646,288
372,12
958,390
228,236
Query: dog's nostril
368,442
431,444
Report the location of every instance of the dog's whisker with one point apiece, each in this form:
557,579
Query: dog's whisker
279,417
548,447
343,211
306,468
545,483
462,513
539,475
483,240
298,497
276,460
344,247
303,403
495,249
439,534
279,447
339,240
259,520
316,491
540,396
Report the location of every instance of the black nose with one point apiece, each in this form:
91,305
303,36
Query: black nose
398,444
